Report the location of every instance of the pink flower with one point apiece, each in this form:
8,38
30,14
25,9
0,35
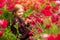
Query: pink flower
48,25
58,37
25,7
57,2
1,5
17,1
51,0
10,6
41,1
59,11
51,37
5,23
30,33
46,12
30,16
54,18
44,35
1,33
0,11
39,30
40,20
32,22
47,7
1,22
55,9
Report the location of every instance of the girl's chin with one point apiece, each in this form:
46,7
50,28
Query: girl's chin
20,16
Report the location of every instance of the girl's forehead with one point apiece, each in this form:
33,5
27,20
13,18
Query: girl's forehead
21,9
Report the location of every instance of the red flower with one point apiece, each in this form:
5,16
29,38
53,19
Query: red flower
0,11
48,25
39,30
30,33
17,1
54,18
5,23
25,7
10,6
58,37
47,7
39,20
41,1
55,9
1,5
30,16
32,22
51,37
1,33
46,12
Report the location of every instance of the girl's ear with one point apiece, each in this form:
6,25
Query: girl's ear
14,13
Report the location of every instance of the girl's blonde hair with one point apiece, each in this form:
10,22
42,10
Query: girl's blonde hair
17,7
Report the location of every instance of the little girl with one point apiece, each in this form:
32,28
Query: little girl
22,27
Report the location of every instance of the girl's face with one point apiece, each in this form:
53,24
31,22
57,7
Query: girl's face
19,13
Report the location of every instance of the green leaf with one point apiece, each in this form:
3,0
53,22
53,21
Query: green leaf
27,13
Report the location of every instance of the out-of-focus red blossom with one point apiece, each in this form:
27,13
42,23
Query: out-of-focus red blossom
36,5
48,25
51,37
0,12
30,33
51,0
1,22
59,11
5,23
25,1
9,1
47,7
39,20
54,8
58,37
41,1
30,16
17,1
1,33
32,22
35,15
46,12
25,7
39,30
54,18
2,5
10,6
